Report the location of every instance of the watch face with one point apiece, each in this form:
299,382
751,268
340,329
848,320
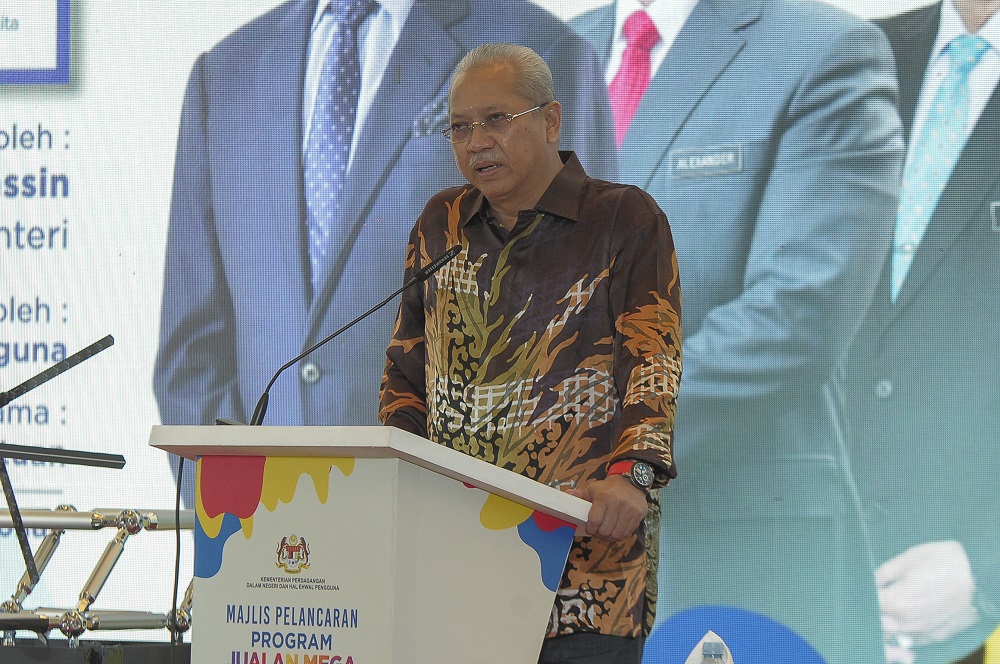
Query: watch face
642,474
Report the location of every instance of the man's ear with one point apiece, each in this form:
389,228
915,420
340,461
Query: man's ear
553,121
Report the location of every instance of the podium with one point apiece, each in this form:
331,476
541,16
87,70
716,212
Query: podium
366,545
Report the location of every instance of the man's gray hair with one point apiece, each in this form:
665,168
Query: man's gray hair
534,78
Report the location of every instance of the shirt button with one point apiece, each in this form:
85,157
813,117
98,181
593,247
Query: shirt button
310,372
883,389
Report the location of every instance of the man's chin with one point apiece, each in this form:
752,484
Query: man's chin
493,188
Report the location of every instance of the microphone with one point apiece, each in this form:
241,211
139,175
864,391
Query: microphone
422,275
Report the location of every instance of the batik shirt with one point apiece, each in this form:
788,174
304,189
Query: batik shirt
552,352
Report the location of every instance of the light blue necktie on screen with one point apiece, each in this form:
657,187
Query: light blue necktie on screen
329,145
933,156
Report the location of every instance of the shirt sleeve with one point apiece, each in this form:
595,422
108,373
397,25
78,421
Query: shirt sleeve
403,396
646,302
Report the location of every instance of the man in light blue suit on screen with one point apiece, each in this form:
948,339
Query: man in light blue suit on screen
244,292
769,134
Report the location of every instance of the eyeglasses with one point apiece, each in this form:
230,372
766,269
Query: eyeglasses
495,123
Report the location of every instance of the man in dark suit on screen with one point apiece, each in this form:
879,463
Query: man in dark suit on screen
922,376
308,145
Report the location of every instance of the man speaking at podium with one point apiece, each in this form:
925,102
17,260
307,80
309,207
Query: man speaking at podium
551,345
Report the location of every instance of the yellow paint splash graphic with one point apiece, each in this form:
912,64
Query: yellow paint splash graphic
281,477
500,514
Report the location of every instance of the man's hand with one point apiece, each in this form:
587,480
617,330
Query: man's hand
925,595
618,507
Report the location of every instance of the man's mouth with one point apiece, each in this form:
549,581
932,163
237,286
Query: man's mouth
486,167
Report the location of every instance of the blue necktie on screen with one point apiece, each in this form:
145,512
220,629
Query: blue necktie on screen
329,146
934,155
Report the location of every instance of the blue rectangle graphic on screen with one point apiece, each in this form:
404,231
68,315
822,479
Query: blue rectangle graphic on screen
34,41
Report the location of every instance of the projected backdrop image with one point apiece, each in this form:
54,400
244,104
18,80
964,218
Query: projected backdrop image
834,437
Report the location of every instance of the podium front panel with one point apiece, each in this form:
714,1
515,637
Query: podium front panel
310,560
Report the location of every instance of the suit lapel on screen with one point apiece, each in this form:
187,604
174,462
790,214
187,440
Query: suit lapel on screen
912,41
278,91
706,45
963,202
912,38
598,27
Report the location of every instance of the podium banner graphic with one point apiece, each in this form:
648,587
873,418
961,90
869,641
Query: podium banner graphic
302,560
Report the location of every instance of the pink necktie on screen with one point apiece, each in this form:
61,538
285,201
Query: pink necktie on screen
632,79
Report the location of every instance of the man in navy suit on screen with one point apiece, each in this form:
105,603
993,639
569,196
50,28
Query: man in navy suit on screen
309,142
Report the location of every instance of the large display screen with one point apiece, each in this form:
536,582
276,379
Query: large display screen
834,431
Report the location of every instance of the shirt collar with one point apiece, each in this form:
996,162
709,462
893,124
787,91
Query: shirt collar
667,15
953,26
561,199
397,9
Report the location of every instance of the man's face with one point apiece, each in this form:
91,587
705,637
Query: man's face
509,167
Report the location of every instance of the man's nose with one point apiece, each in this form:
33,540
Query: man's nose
480,137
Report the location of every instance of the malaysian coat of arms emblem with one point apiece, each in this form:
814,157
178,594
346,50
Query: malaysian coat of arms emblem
293,554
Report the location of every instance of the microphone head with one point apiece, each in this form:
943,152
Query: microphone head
437,263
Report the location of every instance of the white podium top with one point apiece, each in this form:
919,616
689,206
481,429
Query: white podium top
368,442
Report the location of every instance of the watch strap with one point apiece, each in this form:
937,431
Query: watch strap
621,467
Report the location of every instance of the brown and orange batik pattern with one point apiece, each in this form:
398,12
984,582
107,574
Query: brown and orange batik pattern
551,352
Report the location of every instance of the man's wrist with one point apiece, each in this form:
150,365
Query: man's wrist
639,473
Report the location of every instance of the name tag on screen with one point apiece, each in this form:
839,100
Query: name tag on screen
706,161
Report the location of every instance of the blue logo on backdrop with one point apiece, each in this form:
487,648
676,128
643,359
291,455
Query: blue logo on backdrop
751,638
